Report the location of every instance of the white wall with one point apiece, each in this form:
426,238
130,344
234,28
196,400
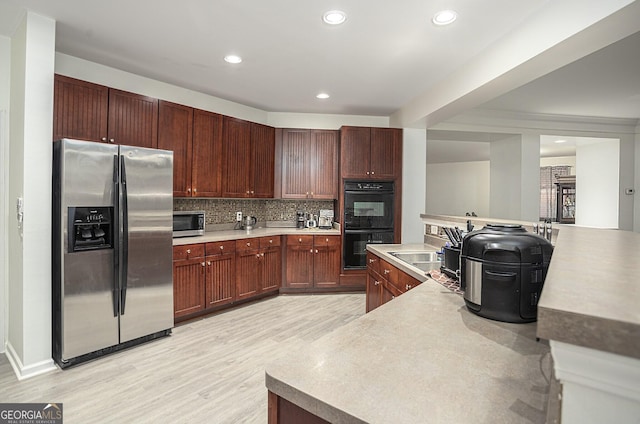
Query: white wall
597,183
5,82
29,295
458,187
414,180
636,182
505,164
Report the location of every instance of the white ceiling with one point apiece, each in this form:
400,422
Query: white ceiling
386,55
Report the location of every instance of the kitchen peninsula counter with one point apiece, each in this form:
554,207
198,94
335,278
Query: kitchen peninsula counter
422,357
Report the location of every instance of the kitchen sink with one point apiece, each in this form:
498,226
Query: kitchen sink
424,261
421,256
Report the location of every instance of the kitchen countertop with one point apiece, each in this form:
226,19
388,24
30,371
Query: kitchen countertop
591,294
422,357
225,235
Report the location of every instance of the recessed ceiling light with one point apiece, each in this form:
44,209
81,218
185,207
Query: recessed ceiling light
560,141
444,17
334,17
232,58
322,96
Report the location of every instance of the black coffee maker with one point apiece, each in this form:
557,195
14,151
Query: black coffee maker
300,219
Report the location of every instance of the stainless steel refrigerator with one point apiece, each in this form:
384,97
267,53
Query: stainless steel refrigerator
112,248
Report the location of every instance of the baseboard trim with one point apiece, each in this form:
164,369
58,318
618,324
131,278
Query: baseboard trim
23,372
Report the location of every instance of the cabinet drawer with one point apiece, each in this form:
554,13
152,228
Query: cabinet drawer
272,241
188,251
388,271
302,240
220,247
406,282
373,262
326,241
243,245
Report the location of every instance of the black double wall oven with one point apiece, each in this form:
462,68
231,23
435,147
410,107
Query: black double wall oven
368,218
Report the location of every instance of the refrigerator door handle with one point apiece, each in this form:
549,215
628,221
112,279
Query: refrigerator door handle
115,230
125,235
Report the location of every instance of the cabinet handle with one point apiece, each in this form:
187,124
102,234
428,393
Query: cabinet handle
188,251
209,263
221,247
307,193
393,297
248,244
195,190
375,283
258,255
327,240
316,250
372,172
270,241
407,287
371,261
299,240
188,190
367,172
247,191
103,139
253,192
262,254
386,271
202,264
111,140
312,194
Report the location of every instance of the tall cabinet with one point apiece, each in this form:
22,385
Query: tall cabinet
370,154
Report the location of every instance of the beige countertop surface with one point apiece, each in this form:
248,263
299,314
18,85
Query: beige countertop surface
591,294
421,358
225,235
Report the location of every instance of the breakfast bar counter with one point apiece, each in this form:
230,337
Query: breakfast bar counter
421,358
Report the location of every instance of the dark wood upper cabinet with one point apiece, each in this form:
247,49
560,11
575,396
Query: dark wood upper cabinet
371,153
309,164
133,119
93,112
79,109
248,155
236,152
207,154
175,133
263,140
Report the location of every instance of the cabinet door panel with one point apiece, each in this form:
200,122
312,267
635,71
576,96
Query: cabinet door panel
175,133
296,155
324,164
207,154
374,291
236,148
133,119
263,147
355,150
79,109
386,152
299,270
247,274
271,269
188,287
220,280
326,266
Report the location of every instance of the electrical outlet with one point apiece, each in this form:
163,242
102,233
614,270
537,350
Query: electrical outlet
434,230
238,216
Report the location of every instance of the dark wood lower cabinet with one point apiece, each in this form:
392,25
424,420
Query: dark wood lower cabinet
220,281
281,411
385,282
188,280
312,261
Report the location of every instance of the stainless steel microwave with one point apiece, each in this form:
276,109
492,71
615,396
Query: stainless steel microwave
188,223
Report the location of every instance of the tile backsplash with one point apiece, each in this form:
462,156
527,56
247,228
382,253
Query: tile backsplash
223,211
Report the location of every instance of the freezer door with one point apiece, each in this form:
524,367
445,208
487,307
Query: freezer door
86,317
147,225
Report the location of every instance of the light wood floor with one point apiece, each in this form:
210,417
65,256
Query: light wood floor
207,371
